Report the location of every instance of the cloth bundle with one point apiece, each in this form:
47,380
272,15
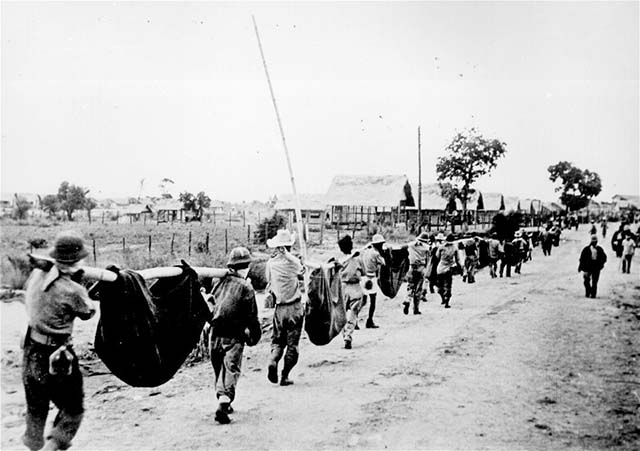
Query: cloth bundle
325,315
392,274
145,334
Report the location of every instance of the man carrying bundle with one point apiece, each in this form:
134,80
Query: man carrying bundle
284,272
234,323
373,261
448,263
50,370
352,272
418,257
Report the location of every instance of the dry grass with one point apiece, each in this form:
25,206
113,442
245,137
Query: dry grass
16,237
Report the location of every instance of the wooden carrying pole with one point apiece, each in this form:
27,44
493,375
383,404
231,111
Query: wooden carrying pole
303,248
419,184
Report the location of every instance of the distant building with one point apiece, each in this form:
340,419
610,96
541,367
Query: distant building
362,199
313,208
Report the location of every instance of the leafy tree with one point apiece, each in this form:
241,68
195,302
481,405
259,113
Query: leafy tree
22,207
577,186
196,203
469,156
89,204
164,186
71,198
51,204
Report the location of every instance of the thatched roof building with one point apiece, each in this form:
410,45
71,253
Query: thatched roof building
379,191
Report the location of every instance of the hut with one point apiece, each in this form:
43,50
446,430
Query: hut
169,210
136,212
362,199
312,208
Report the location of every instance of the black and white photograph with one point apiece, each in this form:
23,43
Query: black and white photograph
320,225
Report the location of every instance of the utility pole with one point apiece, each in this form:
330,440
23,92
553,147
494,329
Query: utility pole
419,183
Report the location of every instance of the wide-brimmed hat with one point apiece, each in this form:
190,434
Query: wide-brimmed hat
440,237
518,234
377,239
450,238
283,238
68,248
424,237
238,256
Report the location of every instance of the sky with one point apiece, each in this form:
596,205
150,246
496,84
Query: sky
106,94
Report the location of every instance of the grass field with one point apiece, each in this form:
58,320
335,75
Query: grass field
136,252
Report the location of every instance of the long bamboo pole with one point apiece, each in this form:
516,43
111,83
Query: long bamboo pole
303,248
419,183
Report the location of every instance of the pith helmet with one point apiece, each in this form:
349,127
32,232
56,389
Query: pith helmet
424,237
68,248
440,237
283,238
238,256
377,239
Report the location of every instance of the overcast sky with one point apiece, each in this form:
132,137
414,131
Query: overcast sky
106,94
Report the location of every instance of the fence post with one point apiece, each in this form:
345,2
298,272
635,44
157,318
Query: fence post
249,234
207,243
123,244
173,237
94,251
149,245
189,242
226,241
229,219
244,218
103,217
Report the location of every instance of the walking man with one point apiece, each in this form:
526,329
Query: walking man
352,272
418,256
617,239
471,252
628,249
373,261
50,370
234,323
508,256
448,261
520,251
592,260
494,255
284,272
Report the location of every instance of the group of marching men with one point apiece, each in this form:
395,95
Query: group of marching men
54,298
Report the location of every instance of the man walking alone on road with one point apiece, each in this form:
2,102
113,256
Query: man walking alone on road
628,249
592,260
283,274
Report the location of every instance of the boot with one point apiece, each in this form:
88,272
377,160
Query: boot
370,324
417,312
405,308
222,416
284,380
272,372
347,344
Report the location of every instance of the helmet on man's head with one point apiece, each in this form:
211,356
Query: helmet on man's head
68,248
239,256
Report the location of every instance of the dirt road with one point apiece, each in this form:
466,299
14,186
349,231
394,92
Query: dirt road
517,363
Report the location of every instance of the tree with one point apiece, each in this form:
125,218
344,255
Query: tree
22,207
71,198
196,203
89,204
50,204
469,156
577,187
164,186
480,205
